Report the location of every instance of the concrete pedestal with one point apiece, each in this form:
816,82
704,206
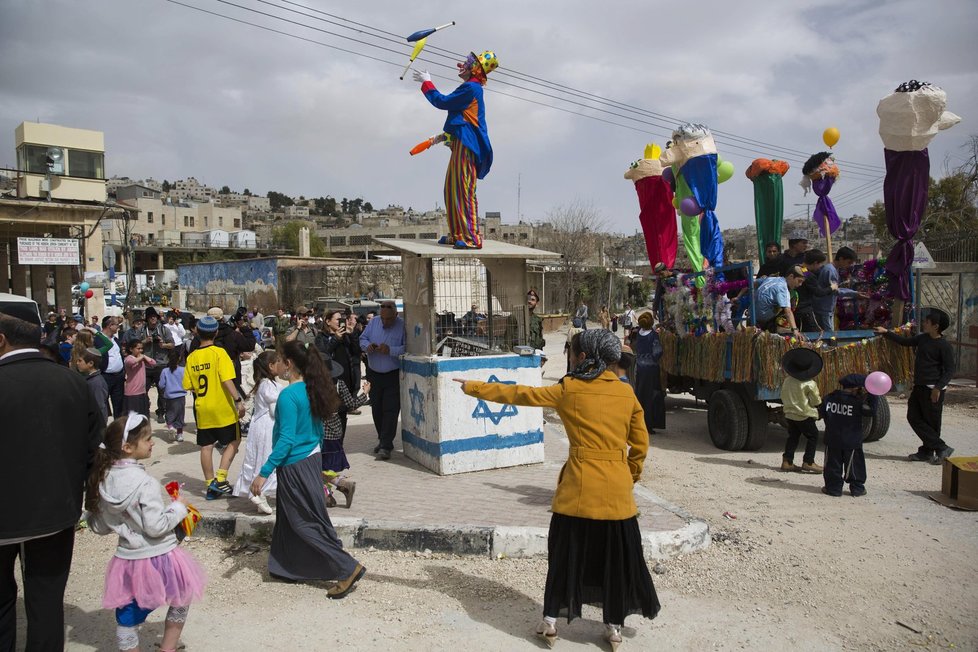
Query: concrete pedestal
449,432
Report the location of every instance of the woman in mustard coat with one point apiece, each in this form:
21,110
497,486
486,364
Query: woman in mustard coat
595,545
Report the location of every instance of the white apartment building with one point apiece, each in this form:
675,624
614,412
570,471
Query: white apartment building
192,190
296,211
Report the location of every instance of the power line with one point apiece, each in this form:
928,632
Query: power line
390,37
509,72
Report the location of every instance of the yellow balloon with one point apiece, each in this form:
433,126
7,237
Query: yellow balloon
652,151
675,202
830,136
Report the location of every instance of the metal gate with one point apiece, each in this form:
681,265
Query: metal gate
953,287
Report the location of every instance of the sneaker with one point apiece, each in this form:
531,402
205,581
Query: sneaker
925,456
217,490
261,503
942,455
811,467
376,449
788,466
856,493
178,437
825,490
160,417
383,454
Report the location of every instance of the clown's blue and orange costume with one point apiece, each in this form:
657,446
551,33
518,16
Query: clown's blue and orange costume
471,150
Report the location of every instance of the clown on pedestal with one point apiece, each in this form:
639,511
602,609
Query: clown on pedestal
466,134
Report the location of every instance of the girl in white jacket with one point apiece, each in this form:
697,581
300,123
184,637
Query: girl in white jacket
148,569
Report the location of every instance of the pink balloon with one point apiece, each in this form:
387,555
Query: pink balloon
878,383
690,207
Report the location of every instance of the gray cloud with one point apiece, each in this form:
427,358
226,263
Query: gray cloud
180,93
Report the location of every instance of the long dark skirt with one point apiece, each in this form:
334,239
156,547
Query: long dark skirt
598,563
304,543
648,389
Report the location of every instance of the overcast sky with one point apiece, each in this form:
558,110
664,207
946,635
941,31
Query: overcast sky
180,93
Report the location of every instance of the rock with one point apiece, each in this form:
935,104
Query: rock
659,568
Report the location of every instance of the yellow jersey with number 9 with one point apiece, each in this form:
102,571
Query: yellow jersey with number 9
206,369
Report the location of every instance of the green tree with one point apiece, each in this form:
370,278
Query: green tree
344,206
225,190
368,207
278,200
166,186
287,237
247,192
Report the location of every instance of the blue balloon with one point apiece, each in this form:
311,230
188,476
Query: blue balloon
84,286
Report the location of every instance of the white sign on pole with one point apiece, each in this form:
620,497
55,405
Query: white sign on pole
47,251
922,258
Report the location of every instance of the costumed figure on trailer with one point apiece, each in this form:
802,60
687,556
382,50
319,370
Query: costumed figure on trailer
766,175
465,132
656,211
696,169
819,174
910,117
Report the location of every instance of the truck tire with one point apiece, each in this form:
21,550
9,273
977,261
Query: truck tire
757,424
876,426
727,420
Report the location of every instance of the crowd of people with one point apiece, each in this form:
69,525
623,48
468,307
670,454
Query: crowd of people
103,373
295,451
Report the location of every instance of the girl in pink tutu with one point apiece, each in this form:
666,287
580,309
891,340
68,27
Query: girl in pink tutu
148,570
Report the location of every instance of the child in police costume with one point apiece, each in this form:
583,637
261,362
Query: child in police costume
843,412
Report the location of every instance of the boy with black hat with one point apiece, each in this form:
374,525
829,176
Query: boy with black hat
800,398
933,368
843,412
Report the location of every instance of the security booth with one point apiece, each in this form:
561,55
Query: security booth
466,316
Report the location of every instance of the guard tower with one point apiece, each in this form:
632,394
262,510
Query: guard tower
466,317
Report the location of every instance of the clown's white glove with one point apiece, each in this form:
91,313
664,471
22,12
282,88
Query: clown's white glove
422,76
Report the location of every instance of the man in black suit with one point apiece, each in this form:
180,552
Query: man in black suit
52,428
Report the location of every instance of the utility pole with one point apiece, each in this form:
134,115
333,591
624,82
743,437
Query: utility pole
828,236
519,192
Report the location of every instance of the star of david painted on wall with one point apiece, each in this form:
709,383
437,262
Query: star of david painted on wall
483,411
417,404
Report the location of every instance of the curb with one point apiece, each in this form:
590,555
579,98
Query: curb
495,542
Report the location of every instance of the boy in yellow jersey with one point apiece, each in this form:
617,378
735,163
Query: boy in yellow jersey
209,376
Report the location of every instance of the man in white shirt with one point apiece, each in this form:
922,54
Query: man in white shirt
113,370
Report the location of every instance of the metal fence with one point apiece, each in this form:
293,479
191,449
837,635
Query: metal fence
475,311
953,287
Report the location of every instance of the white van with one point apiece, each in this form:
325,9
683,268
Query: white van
6,299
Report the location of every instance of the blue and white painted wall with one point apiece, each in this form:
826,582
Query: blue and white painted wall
450,432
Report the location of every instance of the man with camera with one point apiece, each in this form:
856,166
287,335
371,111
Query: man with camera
157,344
305,329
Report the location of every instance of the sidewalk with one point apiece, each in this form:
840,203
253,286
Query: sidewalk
401,505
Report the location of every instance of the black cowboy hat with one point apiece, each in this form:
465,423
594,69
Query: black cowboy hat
802,363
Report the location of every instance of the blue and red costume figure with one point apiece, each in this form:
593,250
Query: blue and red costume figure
467,135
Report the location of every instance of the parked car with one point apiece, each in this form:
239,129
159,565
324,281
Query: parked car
6,299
